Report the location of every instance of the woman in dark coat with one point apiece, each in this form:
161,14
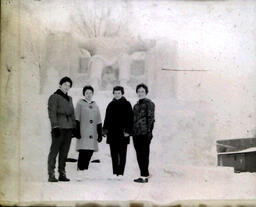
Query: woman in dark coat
62,118
143,124
118,128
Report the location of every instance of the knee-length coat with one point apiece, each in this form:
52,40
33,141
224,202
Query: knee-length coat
118,119
88,114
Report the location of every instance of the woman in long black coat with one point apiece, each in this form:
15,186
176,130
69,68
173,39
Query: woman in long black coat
118,128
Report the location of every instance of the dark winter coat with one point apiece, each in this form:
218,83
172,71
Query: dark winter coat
61,111
144,117
118,119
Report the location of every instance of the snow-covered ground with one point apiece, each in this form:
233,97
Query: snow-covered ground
182,160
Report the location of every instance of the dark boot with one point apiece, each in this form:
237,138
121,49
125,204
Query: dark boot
141,180
62,177
52,178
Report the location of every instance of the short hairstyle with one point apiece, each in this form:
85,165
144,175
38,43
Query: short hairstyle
142,85
88,87
118,88
66,79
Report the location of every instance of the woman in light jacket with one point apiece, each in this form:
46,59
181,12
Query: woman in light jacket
89,127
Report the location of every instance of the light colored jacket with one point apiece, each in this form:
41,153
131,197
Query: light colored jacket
89,116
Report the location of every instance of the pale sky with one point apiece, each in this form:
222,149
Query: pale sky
211,35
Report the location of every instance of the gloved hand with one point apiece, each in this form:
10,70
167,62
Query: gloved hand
56,132
99,139
104,132
76,133
99,131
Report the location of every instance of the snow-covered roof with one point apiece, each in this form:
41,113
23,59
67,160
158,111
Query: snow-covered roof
251,149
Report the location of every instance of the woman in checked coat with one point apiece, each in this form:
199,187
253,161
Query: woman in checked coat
143,124
90,127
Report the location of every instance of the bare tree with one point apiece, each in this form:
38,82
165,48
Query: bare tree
100,18
33,47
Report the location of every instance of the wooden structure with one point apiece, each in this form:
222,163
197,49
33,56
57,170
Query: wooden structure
237,153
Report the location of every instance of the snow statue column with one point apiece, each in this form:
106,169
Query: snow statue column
52,80
162,56
124,63
96,65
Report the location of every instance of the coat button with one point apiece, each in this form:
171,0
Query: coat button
90,107
90,136
91,121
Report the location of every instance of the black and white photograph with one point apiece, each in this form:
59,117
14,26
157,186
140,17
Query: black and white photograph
117,101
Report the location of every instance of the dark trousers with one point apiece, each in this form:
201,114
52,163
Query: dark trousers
84,158
142,148
60,146
118,153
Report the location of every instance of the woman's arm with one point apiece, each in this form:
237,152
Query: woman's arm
78,118
107,120
52,111
78,112
129,119
99,125
99,131
151,116
73,114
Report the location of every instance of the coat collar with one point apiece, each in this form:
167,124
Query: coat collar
87,101
119,100
144,100
60,92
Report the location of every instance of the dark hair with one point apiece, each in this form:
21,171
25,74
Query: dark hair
142,85
66,79
118,88
88,87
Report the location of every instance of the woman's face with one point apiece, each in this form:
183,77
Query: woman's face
117,94
141,92
88,95
65,87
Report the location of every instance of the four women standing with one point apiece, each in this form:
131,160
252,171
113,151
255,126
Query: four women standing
121,122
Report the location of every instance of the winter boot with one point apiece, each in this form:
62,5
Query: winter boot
52,178
141,180
62,177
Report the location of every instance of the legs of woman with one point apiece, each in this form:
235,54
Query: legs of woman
142,148
114,157
118,151
64,149
60,145
84,158
83,162
122,158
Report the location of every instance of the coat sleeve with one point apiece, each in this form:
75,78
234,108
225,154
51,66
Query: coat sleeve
151,116
107,119
52,111
73,114
78,112
98,116
129,118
